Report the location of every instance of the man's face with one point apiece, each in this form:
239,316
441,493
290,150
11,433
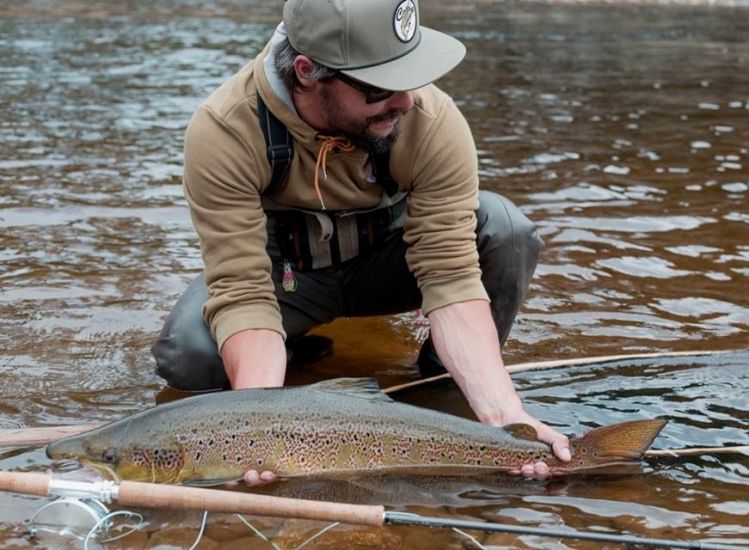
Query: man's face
372,126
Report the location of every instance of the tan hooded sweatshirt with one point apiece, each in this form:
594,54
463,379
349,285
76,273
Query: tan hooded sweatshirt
226,171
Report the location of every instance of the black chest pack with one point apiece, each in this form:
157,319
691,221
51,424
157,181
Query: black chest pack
317,239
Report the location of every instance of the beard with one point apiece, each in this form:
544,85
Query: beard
357,130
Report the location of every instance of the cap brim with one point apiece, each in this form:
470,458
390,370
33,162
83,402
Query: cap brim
436,54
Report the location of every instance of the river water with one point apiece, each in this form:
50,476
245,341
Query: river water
623,131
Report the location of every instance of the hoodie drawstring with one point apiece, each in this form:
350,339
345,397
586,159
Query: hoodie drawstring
329,144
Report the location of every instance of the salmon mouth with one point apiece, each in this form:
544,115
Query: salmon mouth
66,448
104,470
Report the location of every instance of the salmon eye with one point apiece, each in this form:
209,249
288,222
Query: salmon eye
109,456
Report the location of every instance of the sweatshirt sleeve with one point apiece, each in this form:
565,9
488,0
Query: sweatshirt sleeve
222,182
440,226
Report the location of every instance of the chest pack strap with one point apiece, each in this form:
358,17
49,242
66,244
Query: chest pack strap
381,170
280,146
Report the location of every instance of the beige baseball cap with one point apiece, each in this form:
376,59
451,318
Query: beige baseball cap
379,42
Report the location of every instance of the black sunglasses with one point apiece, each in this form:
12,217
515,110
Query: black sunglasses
372,94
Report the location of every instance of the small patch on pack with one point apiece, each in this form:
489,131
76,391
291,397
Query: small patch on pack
289,282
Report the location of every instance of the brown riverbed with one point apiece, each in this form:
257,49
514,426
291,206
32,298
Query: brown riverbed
622,130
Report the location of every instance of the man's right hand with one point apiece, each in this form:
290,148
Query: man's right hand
255,358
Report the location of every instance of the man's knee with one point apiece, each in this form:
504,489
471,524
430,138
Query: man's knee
503,227
508,248
185,352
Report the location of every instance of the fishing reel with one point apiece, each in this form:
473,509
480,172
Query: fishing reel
78,514
70,516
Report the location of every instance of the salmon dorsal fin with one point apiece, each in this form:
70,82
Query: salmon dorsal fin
363,388
522,431
626,440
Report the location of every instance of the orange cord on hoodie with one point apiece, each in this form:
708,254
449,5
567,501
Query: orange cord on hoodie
329,143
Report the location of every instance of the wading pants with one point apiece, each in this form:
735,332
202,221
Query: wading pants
376,283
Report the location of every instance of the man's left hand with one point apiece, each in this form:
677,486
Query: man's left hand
560,444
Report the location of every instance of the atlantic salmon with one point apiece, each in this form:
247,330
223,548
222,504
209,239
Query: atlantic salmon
337,428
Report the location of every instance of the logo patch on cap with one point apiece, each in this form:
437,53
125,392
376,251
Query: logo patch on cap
404,21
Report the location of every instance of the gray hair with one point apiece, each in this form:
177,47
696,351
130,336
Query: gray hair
284,55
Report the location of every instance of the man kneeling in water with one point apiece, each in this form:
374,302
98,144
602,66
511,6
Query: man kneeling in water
330,178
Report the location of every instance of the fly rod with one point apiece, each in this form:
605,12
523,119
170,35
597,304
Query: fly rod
557,363
151,495
404,518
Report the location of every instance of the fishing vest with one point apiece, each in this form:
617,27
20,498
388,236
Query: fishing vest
312,239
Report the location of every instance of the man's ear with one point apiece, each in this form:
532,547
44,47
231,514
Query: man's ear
302,66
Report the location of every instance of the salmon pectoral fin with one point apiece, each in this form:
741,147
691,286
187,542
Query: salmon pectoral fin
212,482
623,441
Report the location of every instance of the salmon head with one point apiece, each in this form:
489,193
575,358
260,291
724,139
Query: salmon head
114,449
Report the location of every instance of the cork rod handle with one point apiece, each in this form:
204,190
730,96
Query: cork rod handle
28,483
151,495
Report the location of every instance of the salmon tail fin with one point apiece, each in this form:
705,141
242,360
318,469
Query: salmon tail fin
625,442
